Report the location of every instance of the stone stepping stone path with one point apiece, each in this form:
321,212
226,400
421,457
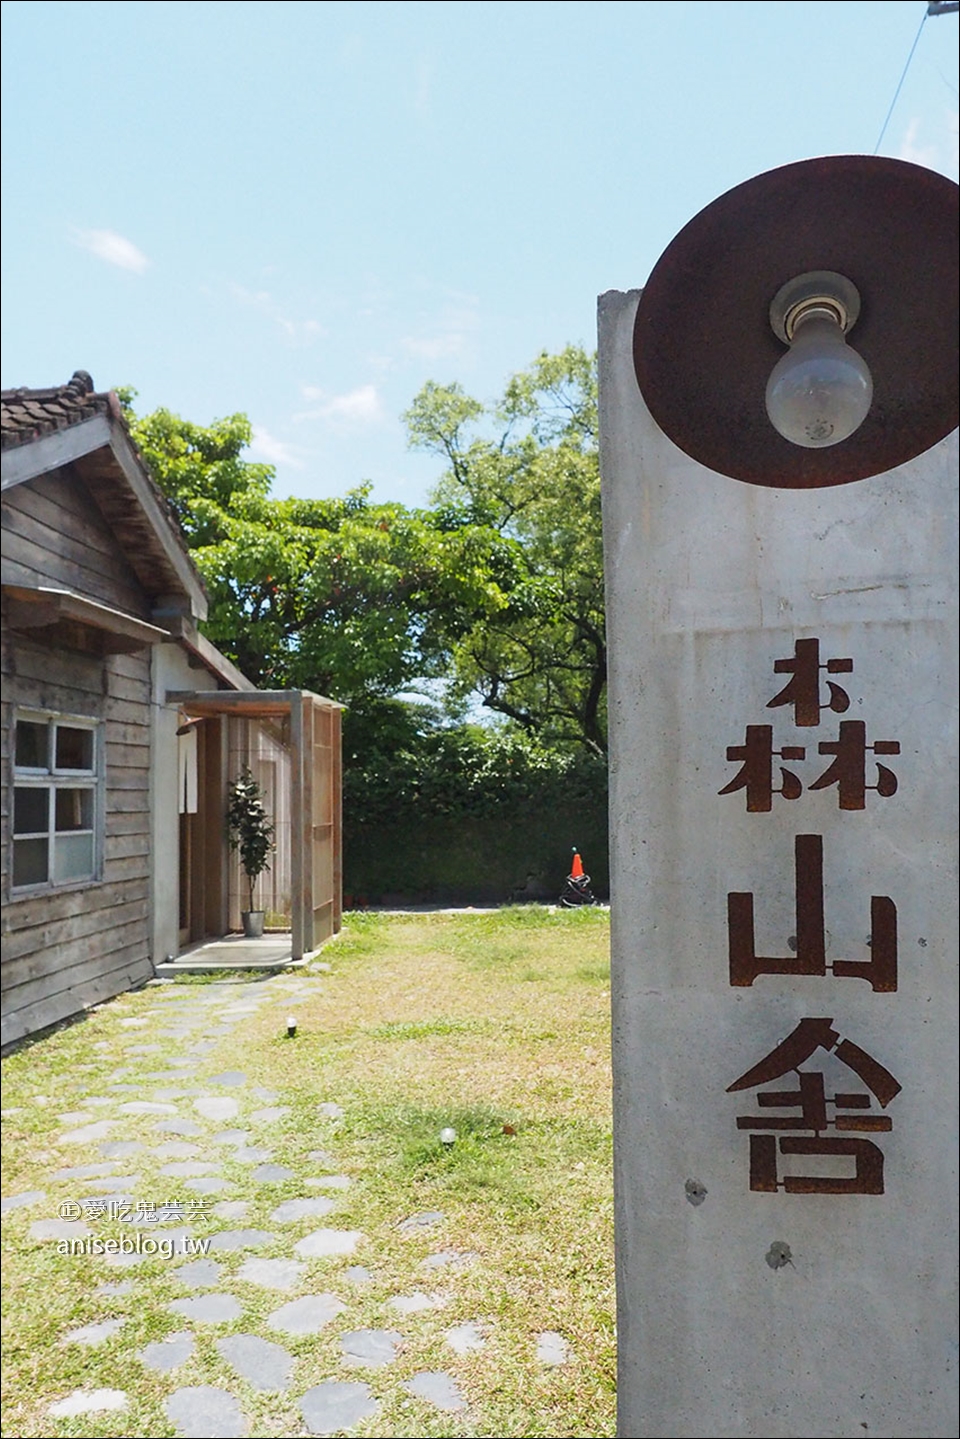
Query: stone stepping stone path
270,1289
168,1353
262,1363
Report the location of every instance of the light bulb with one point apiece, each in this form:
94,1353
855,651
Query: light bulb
820,392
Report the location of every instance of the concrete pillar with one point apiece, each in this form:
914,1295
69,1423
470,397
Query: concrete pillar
783,863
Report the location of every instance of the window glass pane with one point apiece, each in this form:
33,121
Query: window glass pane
31,809
74,809
72,857
74,747
32,741
29,861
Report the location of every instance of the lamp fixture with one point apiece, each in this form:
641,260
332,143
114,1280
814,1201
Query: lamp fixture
707,335
820,392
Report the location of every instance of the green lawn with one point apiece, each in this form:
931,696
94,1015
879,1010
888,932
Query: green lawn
494,1024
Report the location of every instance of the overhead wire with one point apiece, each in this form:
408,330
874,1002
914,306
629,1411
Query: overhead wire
896,93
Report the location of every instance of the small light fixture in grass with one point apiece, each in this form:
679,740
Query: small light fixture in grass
448,1137
291,1027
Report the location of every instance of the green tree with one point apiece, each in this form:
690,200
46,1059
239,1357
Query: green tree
540,657
352,599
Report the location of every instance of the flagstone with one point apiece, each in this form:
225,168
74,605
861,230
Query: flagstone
462,1338
199,1274
208,1308
188,1128
426,1220
229,1240
307,1315
169,1353
82,1171
270,1114
232,1136
552,1348
293,1209
414,1303
329,1181
272,1273
216,1106
371,1348
59,1229
448,1258
262,1363
188,1168
272,1173
230,1209
18,1201
88,1133
93,1333
438,1389
88,1401
324,1243
205,1412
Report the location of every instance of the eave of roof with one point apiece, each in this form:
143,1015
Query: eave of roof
44,430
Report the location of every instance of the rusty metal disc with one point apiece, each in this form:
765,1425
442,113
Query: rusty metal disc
703,347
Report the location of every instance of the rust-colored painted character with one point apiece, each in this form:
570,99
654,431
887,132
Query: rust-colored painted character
813,1103
803,690
880,970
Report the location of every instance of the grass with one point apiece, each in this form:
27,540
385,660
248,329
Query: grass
495,1024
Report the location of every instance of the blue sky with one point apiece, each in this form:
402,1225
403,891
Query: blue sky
305,211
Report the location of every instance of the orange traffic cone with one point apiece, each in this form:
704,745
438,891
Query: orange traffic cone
576,869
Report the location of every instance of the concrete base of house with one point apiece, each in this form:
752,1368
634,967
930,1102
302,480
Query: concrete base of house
234,951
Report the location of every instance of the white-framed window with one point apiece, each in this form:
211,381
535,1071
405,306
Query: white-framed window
57,800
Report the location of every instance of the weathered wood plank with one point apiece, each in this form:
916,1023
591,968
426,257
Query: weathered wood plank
127,789
123,868
128,687
123,846
136,823
71,539
58,904
61,502
85,961
32,664
71,939
131,971
118,732
27,563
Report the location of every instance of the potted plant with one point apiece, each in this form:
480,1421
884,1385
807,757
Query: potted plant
251,832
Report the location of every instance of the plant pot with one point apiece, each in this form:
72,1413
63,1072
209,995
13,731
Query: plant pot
253,923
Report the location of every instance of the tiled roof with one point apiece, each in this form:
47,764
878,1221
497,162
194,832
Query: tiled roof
28,415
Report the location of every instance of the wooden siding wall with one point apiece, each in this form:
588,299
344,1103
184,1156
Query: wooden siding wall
65,949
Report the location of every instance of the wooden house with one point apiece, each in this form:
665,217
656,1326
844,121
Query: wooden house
122,727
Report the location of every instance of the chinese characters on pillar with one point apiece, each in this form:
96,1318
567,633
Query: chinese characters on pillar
855,776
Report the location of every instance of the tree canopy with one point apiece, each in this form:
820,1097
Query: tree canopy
349,598
539,659
495,589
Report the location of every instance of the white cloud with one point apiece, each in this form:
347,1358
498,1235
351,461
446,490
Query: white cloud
361,406
447,335
299,332
917,154
115,249
267,447
937,148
